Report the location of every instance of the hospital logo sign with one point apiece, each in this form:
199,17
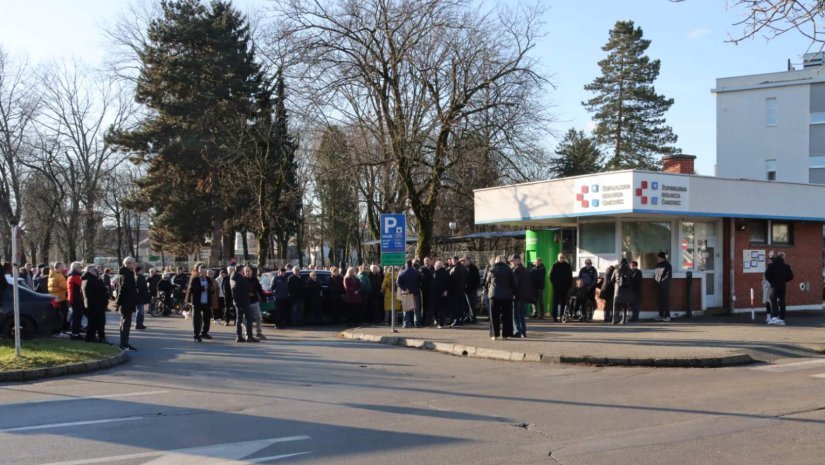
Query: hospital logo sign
661,193
587,196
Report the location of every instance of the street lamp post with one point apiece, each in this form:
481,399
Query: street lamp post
452,226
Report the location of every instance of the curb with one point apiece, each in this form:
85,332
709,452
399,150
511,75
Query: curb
61,370
461,350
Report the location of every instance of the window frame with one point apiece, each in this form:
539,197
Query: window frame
771,110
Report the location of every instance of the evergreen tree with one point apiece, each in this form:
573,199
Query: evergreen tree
577,154
629,114
202,86
286,219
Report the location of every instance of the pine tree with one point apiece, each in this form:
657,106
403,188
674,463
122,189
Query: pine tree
577,154
287,215
202,87
629,114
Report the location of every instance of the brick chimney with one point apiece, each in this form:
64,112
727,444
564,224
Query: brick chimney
678,164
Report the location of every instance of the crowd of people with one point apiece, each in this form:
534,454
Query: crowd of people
428,292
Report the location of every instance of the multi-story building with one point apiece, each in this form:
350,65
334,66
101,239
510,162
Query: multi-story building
772,126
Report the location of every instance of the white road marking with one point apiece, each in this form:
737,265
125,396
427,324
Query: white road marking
73,423
795,366
104,396
219,454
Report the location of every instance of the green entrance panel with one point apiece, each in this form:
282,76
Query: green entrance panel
544,244
393,259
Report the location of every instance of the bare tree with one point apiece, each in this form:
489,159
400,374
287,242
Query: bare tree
78,109
420,75
19,103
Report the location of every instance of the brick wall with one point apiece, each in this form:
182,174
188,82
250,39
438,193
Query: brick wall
678,295
804,257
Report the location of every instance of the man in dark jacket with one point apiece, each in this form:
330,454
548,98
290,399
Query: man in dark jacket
296,296
663,274
96,299
538,276
427,275
524,295
127,300
458,289
500,285
778,274
473,285
41,281
144,297
607,292
561,277
280,289
636,287
409,281
240,294
201,294
153,279
440,294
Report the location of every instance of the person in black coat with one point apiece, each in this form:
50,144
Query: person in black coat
201,294
623,293
458,289
313,297
440,293
95,299
778,274
144,299
561,278
427,273
240,296
377,304
500,285
662,275
524,295
296,296
128,298
607,292
473,285
538,275
636,286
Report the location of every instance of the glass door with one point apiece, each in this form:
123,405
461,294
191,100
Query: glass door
707,257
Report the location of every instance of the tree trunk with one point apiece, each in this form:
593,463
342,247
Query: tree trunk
245,247
423,246
228,243
263,243
215,243
89,235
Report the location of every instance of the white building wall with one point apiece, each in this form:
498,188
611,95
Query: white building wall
744,140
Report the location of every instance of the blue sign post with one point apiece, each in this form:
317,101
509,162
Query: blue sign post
393,250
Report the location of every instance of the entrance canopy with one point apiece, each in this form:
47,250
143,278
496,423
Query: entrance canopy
643,194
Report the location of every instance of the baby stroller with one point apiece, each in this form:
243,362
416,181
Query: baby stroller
579,306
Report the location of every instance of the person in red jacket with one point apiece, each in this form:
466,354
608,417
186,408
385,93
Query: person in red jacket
74,282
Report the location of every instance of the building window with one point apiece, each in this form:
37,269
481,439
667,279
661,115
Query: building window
781,233
771,112
770,169
598,238
758,231
642,240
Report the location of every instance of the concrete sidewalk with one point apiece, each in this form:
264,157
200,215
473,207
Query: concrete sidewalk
711,341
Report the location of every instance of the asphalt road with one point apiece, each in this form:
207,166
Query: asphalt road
310,397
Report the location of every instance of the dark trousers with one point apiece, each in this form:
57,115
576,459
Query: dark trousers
297,311
608,308
77,318
559,301
459,305
438,306
125,324
426,307
354,313
201,318
64,315
95,324
663,299
620,313
777,298
502,313
243,312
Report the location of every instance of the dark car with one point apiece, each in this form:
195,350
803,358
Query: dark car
269,306
39,314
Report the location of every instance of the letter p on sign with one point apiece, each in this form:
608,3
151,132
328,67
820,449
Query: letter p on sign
390,223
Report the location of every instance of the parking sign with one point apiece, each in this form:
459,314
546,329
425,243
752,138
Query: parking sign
393,239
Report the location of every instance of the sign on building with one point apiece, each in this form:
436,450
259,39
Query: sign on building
393,239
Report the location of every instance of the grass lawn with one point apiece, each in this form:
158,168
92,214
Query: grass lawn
49,352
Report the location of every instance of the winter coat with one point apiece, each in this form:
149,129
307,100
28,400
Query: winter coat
500,283
75,296
280,287
41,284
376,280
386,288
664,272
623,295
524,287
127,296
143,290
366,285
538,276
57,285
474,278
196,289
240,287
409,280
608,290
440,285
778,273
313,296
295,285
636,285
589,275
95,293
352,286
561,276
336,287
153,284
426,280
256,291
458,280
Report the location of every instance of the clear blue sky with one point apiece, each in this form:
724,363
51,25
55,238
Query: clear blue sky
689,37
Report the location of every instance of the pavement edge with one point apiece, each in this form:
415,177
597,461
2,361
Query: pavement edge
61,370
461,350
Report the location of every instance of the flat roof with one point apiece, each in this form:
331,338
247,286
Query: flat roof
765,80
644,194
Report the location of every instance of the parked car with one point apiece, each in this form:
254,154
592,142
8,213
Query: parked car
269,307
39,314
20,281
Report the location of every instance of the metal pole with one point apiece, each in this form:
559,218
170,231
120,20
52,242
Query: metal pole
392,298
15,232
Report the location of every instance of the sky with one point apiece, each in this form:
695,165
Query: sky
688,37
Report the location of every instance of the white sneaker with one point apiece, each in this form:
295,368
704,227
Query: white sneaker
772,321
779,322
768,318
